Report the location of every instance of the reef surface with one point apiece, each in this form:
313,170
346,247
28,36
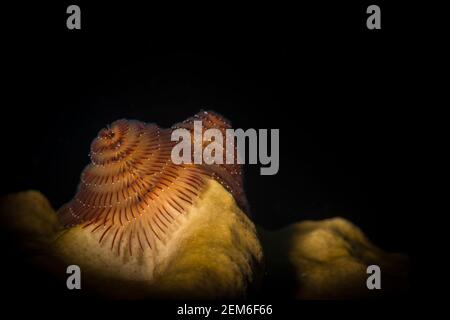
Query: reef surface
217,254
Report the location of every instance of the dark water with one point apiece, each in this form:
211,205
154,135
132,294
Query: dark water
335,91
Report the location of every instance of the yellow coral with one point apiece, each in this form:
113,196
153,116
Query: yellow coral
328,259
214,253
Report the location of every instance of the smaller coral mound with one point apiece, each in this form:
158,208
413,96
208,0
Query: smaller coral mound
29,217
328,260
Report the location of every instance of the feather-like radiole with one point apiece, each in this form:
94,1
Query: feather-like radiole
132,195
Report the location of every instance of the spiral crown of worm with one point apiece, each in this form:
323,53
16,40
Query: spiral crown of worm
132,195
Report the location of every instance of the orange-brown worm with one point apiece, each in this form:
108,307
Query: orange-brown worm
132,193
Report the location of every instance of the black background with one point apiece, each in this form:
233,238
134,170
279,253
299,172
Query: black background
338,93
